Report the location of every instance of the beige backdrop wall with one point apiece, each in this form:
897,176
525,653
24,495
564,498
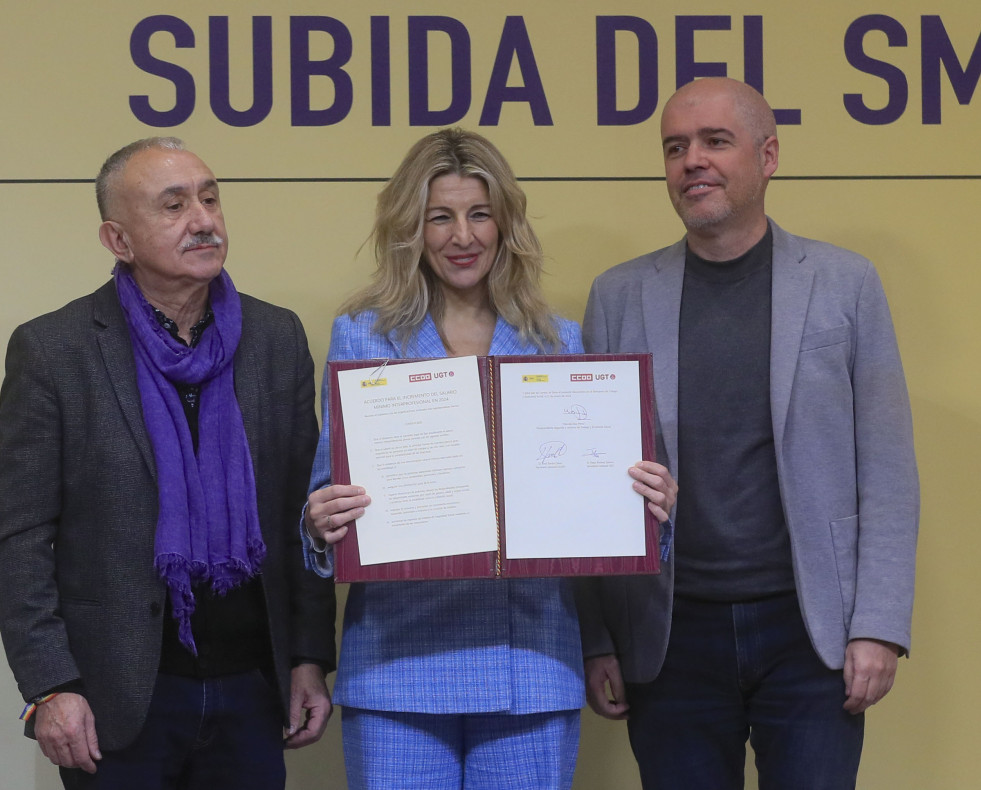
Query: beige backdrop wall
899,181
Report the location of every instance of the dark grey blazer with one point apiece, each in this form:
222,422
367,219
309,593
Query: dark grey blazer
843,437
79,597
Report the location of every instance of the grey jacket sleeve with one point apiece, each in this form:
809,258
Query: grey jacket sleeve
34,634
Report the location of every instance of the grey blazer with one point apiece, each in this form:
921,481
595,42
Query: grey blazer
79,597
843,436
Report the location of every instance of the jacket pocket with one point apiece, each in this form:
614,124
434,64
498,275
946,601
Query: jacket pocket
844,538
70,601
825,337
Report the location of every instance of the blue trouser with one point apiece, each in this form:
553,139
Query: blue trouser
481,751
738,671
223,733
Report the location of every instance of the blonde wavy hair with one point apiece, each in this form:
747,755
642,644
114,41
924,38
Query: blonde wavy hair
404,287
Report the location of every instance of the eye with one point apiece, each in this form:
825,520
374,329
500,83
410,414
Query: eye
173,206
438,219
480,215
674,149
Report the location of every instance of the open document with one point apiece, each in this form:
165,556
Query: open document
420,449
566,445
494,466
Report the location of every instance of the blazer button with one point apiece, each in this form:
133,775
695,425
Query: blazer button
155,609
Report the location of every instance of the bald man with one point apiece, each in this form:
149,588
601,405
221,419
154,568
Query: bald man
783,415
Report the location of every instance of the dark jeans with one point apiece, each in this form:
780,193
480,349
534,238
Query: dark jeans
738,671
222,733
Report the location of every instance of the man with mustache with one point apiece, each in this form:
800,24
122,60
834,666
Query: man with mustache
156,438
784,417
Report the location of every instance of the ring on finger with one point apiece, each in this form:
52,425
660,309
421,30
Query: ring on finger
329,525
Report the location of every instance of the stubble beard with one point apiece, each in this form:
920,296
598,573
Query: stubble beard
699,217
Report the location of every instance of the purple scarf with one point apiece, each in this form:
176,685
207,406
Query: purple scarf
208,522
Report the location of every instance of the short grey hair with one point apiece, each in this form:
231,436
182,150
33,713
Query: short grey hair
105,182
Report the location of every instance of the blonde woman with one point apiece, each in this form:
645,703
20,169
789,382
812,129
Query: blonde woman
454,684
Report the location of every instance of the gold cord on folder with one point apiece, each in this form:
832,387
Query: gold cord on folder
491,377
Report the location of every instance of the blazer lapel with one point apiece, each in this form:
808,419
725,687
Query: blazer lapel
427,342
116,348
792,281
507,342
661,301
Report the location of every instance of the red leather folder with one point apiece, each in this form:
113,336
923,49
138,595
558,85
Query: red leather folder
492,564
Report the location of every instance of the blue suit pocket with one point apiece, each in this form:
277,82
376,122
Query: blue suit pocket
844,538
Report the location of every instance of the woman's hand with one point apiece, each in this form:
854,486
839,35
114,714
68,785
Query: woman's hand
331,509
654,482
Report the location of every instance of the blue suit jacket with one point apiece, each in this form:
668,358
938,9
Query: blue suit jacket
842,433
451,646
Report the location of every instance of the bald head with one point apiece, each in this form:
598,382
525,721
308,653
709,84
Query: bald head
748,103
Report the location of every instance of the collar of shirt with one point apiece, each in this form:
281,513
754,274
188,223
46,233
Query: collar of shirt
196,331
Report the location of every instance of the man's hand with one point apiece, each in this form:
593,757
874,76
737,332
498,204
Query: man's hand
870,669
654,481
65,730
310,706
612,703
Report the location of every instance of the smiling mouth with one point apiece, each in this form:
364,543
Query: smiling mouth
462,260
701,187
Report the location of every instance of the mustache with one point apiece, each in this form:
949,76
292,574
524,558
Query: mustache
202,240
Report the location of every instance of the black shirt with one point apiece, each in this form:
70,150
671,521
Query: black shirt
731,539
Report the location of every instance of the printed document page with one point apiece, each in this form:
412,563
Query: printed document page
570,431
416,441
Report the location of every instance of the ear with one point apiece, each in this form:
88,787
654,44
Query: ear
770,155
114,239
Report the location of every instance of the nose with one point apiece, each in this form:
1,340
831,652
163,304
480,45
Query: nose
200,218
695,156
462,232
